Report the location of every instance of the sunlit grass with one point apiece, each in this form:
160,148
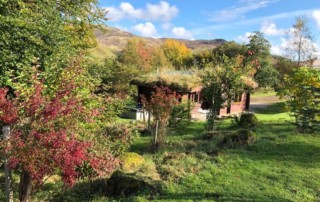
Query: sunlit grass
281,166
264,93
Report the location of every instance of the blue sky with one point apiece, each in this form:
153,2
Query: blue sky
204,19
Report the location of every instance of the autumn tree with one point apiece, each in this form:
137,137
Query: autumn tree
301,46
177,53
203,58
160,106
159,59
54,133
137,54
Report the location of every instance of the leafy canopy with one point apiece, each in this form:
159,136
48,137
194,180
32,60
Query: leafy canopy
177,53
301,90
45,33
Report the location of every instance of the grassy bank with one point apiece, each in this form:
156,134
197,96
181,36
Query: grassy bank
281,166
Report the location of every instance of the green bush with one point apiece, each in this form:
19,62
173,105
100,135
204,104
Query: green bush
120,136
240,138
247,120
180,116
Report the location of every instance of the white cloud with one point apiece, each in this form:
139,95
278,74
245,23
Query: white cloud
288,47
162,11
240,9
276,50
316,16
181,32
307,46
280,49
253,21
270,29
244,39
129,10
113,14
146,29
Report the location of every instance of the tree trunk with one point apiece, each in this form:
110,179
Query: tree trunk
25,187
149,121
144,115
155,144
7,170
212,115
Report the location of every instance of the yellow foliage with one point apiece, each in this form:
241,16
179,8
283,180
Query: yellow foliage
131,162
177,53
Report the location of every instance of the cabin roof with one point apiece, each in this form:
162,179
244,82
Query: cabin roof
181,81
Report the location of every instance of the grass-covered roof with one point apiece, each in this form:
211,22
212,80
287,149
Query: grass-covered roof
183,80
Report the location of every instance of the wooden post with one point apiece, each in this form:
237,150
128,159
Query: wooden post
156,135
247,104
149,121
144,115
7,171
189,107
229,110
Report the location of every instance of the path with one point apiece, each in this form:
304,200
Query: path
258,102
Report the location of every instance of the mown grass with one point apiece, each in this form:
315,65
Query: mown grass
281,166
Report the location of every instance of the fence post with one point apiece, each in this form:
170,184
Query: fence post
7,171
156,134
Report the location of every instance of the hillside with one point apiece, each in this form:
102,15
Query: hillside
113,40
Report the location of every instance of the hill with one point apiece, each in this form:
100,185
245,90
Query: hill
113,40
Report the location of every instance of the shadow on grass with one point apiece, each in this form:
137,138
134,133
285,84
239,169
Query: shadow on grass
83,191
177,139
275,108
219,197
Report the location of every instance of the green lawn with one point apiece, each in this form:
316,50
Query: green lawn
281,166
263,93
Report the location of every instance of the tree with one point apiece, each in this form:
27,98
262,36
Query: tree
114,77
160,106
51,132
45,33
283,65
202,59
259,56
228,49
301,90
159,59
301,47
221,83
137,54
177,53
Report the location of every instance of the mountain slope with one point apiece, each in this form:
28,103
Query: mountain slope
113,40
